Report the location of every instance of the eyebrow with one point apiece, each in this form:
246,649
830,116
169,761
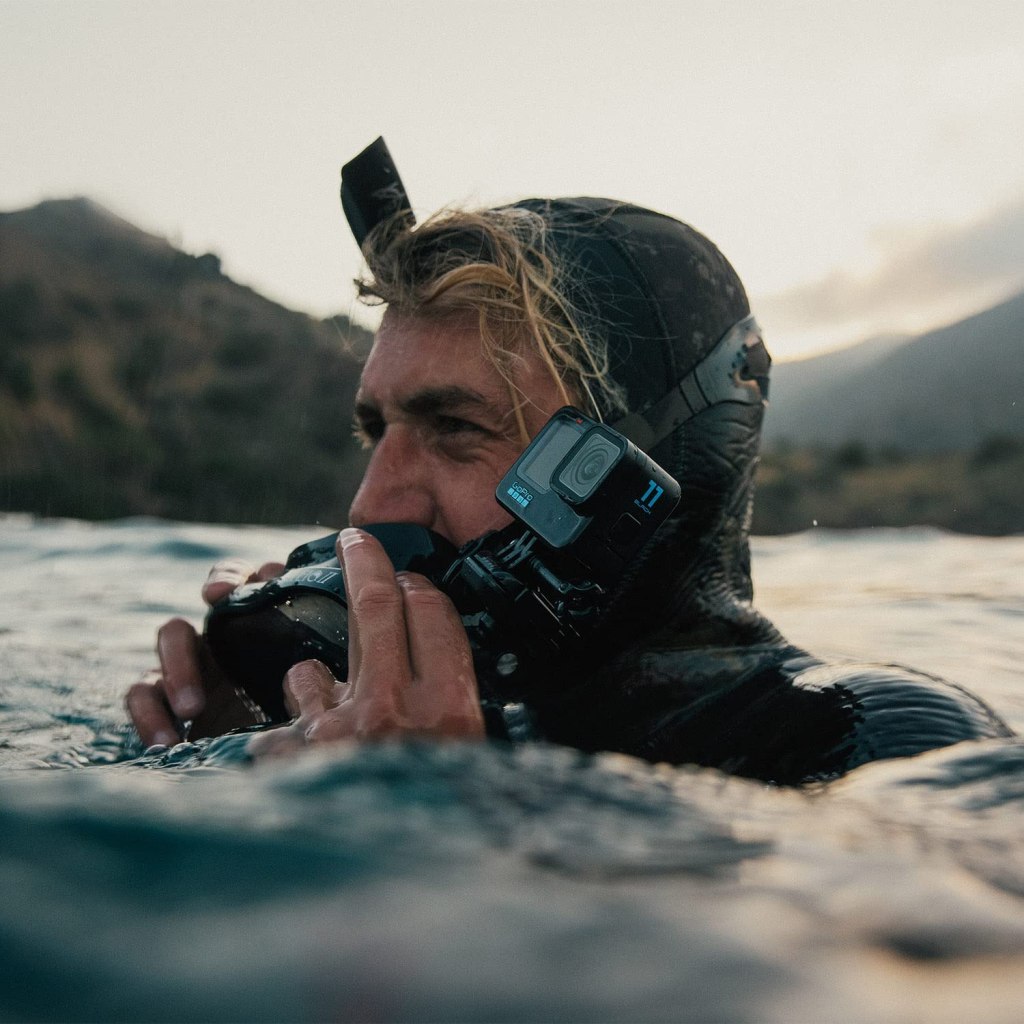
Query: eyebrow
430,402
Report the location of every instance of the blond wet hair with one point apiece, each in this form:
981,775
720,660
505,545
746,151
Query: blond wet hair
499,266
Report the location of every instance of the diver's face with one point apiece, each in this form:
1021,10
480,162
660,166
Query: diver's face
440,421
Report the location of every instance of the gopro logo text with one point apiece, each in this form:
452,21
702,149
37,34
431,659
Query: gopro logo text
520,495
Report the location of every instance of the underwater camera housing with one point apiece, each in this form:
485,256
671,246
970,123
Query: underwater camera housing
584,500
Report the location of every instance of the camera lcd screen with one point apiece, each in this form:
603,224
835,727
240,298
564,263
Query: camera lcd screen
555,443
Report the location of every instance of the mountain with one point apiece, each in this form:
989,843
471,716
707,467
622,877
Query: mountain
138,379
793,382
947,390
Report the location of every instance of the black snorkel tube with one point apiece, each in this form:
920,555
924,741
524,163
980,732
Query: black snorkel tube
372,192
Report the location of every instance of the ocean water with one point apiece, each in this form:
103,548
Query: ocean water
414,882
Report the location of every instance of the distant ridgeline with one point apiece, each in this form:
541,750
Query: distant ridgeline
138,380
899,431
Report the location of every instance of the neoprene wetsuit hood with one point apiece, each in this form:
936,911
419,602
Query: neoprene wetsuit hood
663,297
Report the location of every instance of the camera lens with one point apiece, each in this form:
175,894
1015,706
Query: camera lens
586,470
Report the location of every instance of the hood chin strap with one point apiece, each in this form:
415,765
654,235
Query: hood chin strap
735,370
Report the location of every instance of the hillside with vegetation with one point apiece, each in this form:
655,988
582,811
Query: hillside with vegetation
138,380
901,431
853,487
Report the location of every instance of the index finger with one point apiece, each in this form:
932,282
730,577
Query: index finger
378,645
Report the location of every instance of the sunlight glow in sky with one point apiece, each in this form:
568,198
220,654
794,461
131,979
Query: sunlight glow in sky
859,162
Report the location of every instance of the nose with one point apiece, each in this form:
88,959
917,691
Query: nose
396,485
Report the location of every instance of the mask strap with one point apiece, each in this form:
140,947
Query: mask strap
735,370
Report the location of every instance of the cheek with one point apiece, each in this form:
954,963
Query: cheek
468,507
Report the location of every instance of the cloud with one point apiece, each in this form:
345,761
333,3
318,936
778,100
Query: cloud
917,270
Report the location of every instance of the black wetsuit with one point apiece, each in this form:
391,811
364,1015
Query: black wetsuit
766,712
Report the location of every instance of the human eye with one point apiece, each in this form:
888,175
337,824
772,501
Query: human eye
453,426
367,428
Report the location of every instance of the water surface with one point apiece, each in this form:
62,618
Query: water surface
413,882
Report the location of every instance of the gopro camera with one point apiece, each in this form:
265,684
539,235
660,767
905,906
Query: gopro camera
584,501
588,493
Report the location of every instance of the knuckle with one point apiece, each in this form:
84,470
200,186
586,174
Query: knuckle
429,597
379,716
230,567
379,726
135,693
376,597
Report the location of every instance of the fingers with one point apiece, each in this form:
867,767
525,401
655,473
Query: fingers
378,650
437,643
149,712
224,577
188,686
410,666
178,647
443,698
232,573
224,709
310,688
314,696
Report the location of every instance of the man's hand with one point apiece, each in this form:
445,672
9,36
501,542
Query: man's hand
410,666
188,685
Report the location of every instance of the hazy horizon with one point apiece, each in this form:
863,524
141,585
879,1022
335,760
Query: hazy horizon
857,162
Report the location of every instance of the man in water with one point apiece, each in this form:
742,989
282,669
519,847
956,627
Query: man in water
493,321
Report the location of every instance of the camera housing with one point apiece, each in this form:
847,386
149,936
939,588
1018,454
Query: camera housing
584,501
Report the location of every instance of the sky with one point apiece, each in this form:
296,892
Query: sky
859,163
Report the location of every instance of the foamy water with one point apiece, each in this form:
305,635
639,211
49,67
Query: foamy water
412,882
